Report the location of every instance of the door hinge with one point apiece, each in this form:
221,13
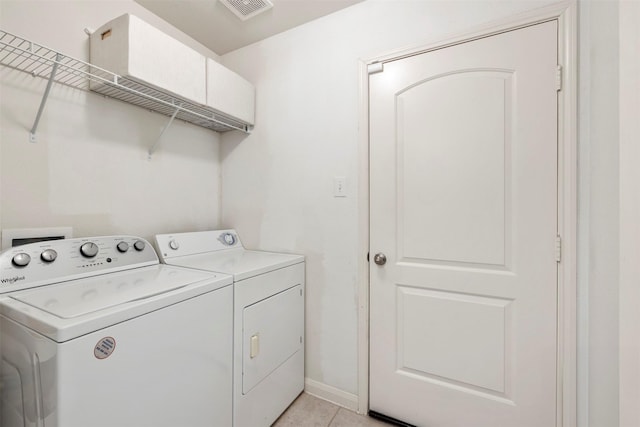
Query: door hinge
558,248
376,67
559,78
367,256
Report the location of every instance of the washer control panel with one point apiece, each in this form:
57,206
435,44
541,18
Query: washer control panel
53,261
182,244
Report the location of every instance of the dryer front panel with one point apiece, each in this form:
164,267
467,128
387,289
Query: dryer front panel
272,333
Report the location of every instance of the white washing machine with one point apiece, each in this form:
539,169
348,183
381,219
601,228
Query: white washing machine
97,333
268,318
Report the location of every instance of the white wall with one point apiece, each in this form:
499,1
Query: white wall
599,214
89,168
629,213
278,182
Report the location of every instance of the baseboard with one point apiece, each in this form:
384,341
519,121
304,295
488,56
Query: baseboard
331,394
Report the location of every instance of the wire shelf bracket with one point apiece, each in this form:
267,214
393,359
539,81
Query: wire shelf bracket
34,128
154,147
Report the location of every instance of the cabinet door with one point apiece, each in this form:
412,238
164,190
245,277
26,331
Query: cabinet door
229,93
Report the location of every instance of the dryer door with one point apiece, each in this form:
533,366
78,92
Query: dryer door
272,333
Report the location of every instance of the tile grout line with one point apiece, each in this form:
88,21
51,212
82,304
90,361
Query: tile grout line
334,417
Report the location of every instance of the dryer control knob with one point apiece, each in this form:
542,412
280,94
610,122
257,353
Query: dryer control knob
229,239
48,255
21,260
173,244
139,245
122,247
89,249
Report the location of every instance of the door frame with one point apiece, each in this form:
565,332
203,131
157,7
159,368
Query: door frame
565,13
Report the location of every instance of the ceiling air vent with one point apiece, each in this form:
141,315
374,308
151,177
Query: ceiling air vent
245,9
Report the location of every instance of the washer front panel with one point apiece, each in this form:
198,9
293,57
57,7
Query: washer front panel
169,367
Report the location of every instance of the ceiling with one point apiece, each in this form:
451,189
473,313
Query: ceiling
216,27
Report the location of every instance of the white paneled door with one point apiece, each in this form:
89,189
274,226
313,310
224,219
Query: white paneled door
463,163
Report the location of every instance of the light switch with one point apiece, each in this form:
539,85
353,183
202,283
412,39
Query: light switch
339,186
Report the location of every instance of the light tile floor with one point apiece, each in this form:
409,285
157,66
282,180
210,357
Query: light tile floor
309,411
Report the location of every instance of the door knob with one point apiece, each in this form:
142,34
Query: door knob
380,259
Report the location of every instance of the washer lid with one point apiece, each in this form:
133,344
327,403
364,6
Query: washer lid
241,263
69,309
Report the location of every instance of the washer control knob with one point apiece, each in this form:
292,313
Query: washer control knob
173,244
139,245
21,260
89,249
48,255
122,247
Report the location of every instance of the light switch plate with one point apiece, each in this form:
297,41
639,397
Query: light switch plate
339,186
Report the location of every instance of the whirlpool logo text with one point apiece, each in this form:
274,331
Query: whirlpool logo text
11,280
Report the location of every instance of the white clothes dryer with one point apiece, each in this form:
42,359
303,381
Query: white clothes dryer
95,332
268,318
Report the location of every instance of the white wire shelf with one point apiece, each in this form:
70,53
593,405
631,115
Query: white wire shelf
39,61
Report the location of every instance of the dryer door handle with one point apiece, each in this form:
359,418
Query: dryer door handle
254,345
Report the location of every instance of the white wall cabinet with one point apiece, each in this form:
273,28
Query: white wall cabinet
228,92
134,49
138,51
